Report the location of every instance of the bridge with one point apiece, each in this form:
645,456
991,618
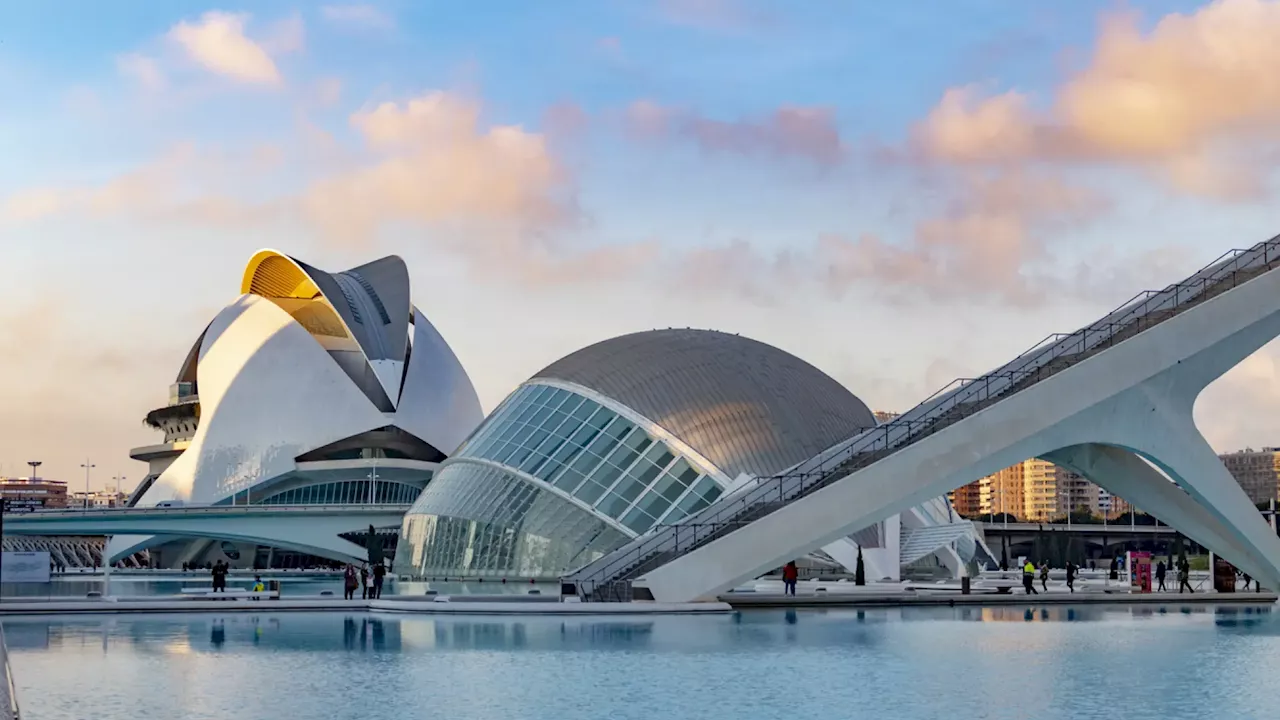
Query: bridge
1112,401
312,529
1089,534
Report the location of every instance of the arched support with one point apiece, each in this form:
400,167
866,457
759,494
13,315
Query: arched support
1136,394
1126,475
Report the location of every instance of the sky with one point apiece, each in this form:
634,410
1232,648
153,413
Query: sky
899,193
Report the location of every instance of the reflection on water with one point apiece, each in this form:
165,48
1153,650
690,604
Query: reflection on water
290,585
957,662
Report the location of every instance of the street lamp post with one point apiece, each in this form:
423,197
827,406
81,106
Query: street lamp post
119,483
373,483
87,467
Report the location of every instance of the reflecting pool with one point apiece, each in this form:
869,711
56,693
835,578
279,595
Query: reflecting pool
1003,663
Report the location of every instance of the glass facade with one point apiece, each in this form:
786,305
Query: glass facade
594,455
476,520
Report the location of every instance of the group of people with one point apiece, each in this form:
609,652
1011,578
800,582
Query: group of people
1184,576
1029,572
369,581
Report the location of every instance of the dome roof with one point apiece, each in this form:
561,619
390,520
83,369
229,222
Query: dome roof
743,405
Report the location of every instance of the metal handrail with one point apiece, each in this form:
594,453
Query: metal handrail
931,415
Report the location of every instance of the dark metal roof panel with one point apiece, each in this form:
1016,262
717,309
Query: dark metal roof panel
744,405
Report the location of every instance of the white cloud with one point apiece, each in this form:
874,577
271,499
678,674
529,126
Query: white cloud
218,43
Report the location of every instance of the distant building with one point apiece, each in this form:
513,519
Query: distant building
1257,471
967,500
884,416
1035,491
108,498
34,492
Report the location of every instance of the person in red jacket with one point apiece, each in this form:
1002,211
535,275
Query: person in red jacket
789,575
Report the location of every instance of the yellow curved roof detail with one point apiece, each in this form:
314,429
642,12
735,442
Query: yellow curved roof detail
273,274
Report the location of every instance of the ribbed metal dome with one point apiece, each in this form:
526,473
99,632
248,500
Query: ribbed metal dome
744,405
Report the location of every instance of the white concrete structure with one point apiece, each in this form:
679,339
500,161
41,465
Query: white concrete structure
312,529
1106,401
310,378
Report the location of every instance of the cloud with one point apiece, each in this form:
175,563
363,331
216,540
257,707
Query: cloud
433,161
182,184
981,244
361,16
1183,100
219,44
809,133
142,69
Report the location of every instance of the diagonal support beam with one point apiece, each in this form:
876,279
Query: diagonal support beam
1125,474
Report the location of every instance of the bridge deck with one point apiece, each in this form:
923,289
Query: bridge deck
609,577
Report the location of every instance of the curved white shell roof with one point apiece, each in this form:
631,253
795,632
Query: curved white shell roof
285,370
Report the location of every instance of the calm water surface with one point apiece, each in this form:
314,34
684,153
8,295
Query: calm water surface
1169,663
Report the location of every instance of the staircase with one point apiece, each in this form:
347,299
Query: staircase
609,578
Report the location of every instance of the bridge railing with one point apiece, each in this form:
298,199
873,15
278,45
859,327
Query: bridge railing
961,399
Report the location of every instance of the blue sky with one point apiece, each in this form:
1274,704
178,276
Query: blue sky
575,170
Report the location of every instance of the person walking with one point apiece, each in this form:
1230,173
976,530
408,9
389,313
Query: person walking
1184,574
1160,571
219,573
379,572
1071,576
790,573
364,582
349,583
1029,578
1044,576
1247,580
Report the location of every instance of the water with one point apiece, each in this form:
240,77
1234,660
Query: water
291,585
913,664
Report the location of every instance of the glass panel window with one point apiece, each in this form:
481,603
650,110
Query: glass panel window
613,505
540,416
571,403
644,472
707,488
535,438
606,474
569,479
637,520
653,503
557,398
584,411
602,417
589,492
603,443
629,489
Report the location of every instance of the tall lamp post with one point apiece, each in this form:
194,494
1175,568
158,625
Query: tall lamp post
87,467
119,483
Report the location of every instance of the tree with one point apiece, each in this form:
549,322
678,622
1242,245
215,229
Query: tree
860,570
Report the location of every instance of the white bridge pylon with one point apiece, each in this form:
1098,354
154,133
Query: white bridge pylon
1104,417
